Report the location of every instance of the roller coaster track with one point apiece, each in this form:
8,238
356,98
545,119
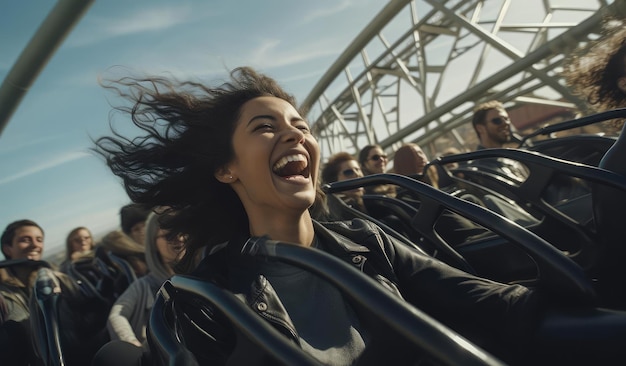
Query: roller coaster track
418,68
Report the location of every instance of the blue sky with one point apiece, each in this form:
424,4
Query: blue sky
47,172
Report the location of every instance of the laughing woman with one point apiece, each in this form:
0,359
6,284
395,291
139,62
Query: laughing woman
239,160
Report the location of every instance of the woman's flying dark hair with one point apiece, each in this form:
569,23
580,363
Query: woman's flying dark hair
592,71
186,137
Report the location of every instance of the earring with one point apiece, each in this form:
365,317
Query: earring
230,177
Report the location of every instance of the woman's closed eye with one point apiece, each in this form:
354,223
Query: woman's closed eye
264,126
304,127
270,127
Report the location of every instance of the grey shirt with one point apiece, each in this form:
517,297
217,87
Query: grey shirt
328,328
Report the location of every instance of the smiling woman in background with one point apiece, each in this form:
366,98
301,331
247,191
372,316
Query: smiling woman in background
79,243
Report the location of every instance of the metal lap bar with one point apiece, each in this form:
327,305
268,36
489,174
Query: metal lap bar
161,338
354,213
414,325
424,221
551,262
243,319
579,122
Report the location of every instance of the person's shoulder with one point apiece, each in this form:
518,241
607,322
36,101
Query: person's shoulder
118,243
8,283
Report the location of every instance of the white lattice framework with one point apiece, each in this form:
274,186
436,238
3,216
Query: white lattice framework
418,68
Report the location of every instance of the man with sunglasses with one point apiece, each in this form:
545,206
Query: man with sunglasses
493,128
492,125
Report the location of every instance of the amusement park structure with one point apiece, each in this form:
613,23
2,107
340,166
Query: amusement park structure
418,68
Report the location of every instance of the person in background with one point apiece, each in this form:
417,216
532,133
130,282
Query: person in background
343,166
24,240
128,243
410,160
451,151
373,160
78,244
492,125
493,128
130,313
247,165
133,221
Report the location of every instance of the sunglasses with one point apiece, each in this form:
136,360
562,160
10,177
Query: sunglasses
349,172
499,120
176,238
378,157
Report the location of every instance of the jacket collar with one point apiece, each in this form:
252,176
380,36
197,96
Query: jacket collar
335,242
215,264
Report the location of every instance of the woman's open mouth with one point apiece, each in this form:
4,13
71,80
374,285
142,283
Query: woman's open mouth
292,167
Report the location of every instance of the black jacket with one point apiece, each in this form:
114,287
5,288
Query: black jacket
492,314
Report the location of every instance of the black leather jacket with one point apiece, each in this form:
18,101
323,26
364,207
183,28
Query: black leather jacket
492,314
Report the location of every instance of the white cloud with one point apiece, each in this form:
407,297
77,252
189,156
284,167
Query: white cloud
146,20
28,143
50,163
325,12
271,54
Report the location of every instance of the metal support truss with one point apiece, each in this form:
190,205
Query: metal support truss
418,68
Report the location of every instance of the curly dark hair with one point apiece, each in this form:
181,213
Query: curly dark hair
592,71
187,132
330,172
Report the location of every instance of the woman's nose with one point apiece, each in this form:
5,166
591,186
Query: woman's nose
294,134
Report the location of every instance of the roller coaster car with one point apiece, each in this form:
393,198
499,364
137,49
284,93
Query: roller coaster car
576,205
189,312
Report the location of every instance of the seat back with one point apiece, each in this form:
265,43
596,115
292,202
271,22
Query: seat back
103,275
608,209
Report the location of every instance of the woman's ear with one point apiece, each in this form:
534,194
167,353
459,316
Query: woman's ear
224,175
